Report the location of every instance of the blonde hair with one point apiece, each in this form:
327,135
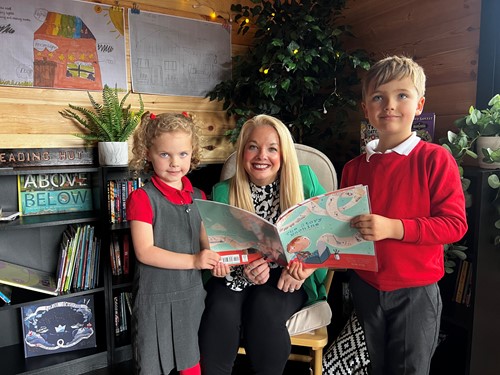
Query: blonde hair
291,189
394,68
151,127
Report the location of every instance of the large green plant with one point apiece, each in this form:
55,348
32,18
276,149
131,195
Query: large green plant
296,69
110,121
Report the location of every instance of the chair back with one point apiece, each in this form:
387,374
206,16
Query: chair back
318,161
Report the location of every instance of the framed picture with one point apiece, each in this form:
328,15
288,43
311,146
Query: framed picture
61,326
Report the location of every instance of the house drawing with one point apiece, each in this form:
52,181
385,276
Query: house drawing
65,54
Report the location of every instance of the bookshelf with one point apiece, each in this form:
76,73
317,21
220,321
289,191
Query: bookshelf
116,184
34,242
472,329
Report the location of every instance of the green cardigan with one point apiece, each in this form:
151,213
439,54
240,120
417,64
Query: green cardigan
314,285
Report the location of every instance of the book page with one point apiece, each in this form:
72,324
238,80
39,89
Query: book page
317,231
231,228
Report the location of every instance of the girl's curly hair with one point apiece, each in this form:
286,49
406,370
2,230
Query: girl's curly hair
151,127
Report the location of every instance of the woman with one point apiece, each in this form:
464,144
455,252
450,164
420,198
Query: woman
254,302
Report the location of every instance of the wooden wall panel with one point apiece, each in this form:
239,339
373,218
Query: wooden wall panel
442,36
30,116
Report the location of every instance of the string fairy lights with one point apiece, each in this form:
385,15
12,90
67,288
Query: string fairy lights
213,12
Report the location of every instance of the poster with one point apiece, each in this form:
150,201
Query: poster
177,56
54,193
61,326
62,44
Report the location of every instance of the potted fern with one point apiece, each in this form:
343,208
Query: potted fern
110,124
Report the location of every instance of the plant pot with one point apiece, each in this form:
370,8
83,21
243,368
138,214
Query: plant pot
113,153
487,142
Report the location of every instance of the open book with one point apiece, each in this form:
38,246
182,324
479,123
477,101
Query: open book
316,232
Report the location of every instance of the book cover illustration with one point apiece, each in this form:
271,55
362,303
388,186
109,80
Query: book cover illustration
423,124
27,278
60,326
54,193
316,232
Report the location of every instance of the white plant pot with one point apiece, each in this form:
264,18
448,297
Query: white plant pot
487,142
113,153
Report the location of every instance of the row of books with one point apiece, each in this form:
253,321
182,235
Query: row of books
119,253
78,265
122,310
118,192
463,285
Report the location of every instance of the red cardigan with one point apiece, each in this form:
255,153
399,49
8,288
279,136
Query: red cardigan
424,190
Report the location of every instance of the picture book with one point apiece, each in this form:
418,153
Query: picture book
65,325
316,232
423,124
27,278
9,215
54,193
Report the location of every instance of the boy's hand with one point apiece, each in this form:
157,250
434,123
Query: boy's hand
375,227
221,270
206,259
297,271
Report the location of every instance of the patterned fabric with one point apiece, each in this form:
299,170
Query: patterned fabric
266,200
348,354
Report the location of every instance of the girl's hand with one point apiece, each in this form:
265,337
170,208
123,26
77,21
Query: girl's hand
297,271
258,271
287,283
206,260
221,270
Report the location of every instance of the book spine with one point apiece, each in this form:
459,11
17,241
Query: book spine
126,257
116,314
112,255
5,293
124,195
97,263
461,281
119,270
112,217
71,266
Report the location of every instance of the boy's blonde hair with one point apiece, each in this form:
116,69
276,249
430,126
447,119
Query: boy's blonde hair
151,127
291,189
394,68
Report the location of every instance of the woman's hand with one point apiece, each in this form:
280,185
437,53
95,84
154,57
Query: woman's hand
287,283
296,270
221,270
258,271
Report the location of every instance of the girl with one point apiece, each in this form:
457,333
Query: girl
171,247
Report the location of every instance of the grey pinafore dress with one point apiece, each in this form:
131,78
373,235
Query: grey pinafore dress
168,304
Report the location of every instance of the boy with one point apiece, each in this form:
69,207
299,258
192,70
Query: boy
417,206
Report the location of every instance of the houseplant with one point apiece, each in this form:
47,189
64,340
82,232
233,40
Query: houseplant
296,69
482,127
110,124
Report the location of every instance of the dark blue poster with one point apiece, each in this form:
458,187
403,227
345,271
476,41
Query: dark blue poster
61,326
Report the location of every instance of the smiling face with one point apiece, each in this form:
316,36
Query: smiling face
262,155
391,108
170,155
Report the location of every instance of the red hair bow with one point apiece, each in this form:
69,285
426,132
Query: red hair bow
152,116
